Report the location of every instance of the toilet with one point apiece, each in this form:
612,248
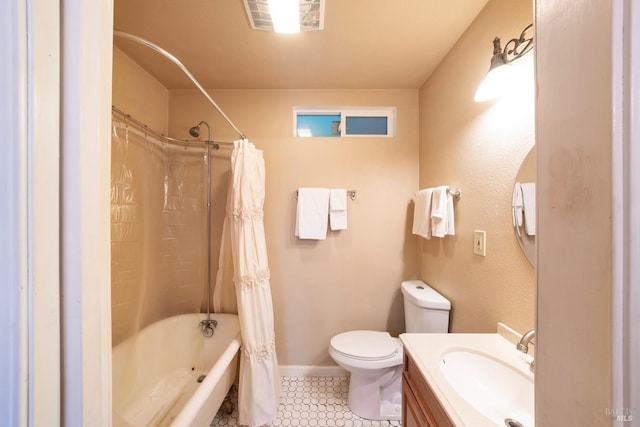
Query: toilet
374,359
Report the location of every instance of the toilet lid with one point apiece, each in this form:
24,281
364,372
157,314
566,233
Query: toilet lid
365,345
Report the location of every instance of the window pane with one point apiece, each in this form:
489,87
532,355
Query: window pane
366,125
318,125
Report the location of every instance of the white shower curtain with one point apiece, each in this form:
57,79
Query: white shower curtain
259,387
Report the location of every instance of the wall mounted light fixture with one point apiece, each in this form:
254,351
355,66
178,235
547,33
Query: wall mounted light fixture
497,80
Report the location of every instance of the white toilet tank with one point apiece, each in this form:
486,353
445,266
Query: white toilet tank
425,310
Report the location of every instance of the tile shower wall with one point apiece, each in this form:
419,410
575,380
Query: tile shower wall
158,240
157,212
135,92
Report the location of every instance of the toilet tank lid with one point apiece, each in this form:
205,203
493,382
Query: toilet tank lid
423,295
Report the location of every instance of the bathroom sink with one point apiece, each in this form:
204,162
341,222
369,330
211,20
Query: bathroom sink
496,389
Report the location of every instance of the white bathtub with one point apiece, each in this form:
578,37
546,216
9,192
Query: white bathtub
155,372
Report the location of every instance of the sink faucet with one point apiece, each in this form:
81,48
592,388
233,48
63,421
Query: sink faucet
523,346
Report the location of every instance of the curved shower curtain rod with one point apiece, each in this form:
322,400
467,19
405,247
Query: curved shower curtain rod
180,65
215,145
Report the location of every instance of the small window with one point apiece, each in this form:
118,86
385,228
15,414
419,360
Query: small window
367,126
318,125
344,121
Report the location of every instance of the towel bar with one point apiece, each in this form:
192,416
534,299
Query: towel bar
456,194
350,193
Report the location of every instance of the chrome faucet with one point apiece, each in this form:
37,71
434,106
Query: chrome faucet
523,345
207,326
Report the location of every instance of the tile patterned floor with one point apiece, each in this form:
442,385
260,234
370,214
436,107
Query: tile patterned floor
310,402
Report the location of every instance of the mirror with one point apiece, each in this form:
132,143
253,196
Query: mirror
525,232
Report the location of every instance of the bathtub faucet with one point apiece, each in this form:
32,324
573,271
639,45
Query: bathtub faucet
207,326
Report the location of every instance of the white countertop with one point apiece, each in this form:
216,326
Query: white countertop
427,350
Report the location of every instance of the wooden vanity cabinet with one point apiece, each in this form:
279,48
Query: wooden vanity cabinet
420,407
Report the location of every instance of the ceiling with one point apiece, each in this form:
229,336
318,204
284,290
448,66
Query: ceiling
365,44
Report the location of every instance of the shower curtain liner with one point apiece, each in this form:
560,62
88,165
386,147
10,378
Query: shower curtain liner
158,228
259,383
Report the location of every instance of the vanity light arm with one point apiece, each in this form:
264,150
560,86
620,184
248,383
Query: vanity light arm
517,47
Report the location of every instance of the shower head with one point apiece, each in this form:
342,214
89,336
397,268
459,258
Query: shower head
195,131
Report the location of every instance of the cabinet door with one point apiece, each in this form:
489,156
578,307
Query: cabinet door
423,407
412,415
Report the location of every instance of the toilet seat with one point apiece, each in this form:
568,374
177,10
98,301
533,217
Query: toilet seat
365,345
374,362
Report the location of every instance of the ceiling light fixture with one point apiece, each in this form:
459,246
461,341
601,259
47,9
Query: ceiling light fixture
497,80
285,16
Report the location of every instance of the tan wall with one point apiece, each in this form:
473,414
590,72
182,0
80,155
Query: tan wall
479,148
573,378
138,93
351,280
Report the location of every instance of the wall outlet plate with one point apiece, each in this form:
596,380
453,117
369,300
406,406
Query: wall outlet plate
480,242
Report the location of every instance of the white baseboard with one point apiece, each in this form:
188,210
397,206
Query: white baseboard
313,371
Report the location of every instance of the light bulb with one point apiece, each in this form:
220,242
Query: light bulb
285,16
495,83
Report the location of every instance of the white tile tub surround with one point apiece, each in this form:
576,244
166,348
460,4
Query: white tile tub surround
310,401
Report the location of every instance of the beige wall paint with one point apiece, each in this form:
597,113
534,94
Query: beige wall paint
138,93
479,148
574,130
352,279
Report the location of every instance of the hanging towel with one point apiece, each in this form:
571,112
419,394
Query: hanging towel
338,209
312,213
529,203
451,228
422,213
517,207
442,220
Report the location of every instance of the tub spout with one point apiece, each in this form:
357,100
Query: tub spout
207,326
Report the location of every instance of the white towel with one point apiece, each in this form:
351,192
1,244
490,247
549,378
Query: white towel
422,213
529,203
451,228
517,207
312,213
338,209
442,219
